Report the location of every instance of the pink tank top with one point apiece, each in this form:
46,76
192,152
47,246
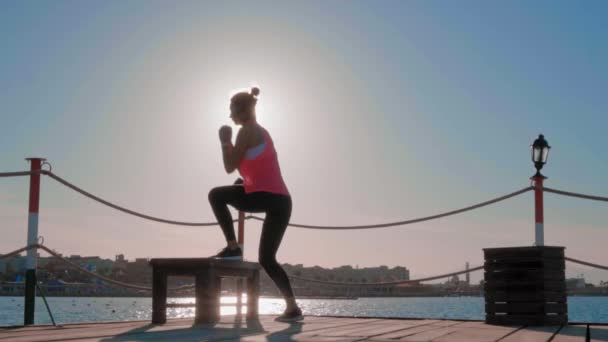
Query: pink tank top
260,168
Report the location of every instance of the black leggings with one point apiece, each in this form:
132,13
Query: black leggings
278,211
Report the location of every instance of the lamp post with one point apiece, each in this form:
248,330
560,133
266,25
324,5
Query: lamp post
540,153
32,238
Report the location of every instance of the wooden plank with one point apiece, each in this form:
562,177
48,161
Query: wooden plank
159,296
302,331
229,327
598,333
524,286
546,296
531,275
315,332
532,334
528,251
100,332
362,330
253,294
523,264
381,328
36,333
313,328
431,335
422,326
310,324
571,333
533,308
477,332
523,319
207,297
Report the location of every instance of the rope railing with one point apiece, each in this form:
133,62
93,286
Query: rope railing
84,270
574,194
586,263
299,225
123,209
406,222
146,288
390,283
15,174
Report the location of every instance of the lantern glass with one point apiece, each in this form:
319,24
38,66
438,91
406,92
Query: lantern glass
545,154
537,154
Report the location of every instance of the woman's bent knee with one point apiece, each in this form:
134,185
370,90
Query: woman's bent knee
267,262
214,195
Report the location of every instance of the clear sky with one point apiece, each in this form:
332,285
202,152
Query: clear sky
380,111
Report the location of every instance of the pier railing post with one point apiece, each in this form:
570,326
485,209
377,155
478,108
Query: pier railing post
538,211
32,238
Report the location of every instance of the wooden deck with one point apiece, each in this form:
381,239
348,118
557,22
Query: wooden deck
313,328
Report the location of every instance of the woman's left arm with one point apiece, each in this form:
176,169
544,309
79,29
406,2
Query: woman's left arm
233,154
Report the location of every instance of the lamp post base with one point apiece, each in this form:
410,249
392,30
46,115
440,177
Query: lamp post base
30,297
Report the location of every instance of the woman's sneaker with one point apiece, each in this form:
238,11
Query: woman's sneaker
292,316
230,254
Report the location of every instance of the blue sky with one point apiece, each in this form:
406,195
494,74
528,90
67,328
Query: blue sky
380,111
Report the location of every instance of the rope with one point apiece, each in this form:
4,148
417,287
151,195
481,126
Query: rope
95,275
125,210
145,288
586,263
297,225
573,194
14,253
85,271
48,309
391,283
15,174
401,223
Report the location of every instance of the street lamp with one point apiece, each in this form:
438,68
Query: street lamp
540,153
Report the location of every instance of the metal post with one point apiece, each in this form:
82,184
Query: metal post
538,211
239,281
32,238
241,238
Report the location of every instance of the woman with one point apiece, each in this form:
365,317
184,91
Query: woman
262,190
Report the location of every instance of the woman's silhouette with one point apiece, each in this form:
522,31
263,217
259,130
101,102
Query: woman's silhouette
261,190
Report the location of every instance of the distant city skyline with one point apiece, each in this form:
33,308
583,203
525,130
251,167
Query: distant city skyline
379,112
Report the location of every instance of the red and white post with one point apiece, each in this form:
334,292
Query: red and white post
538,211
32,238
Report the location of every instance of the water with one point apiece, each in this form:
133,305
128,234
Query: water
88,309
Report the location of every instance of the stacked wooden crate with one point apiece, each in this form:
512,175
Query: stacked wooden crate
525,286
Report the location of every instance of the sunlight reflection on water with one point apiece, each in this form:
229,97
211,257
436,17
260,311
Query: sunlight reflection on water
88,309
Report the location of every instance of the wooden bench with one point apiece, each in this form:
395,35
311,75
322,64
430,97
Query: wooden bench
207,273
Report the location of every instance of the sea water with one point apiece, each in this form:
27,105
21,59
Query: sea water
98,309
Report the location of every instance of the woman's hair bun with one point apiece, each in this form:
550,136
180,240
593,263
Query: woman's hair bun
255,91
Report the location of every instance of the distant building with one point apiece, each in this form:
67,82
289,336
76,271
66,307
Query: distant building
575,283
12,288
138,271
